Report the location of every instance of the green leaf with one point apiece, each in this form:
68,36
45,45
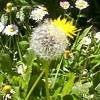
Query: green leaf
97,93
68,85
23,45
57,91
29,57
1,78
16,95
77,44
68,97
96,79
6,63
21,2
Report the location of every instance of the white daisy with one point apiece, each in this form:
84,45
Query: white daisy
81,4
1,26
11,30
38,13
97,36
86,41
21,69
64,4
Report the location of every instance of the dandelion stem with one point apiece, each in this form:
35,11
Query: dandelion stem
34,85
46,83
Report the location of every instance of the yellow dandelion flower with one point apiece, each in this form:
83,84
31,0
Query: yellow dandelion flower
65,26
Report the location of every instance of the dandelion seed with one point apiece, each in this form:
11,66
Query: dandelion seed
81,4
38,13
11,30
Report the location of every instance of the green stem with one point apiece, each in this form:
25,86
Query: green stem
10,18
58,68
34,85
9,42
20,55
1,43
78,17
46,83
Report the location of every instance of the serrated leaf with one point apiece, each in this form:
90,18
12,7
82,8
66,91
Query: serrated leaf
29,57
68,85
23,45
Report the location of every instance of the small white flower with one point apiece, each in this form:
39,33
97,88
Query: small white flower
12,91
81,4
64,4
20,15
84,73
97,36
1,26
91,96
38,13
86,41
8,96
21,69
4,19
11,30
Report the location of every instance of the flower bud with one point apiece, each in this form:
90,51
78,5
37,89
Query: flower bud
6,88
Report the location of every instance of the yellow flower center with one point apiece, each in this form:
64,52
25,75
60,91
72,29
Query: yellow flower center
6,88
11,29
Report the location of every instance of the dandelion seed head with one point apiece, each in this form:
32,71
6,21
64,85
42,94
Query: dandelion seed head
48,42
